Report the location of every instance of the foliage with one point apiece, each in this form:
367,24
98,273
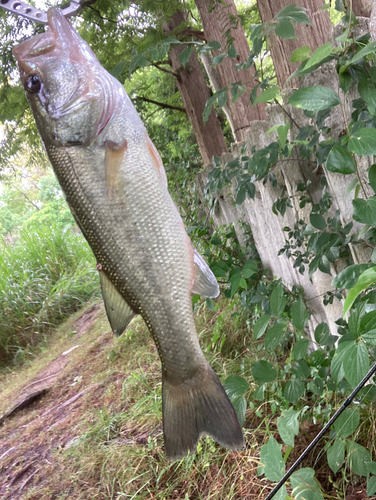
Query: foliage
305,379
44,276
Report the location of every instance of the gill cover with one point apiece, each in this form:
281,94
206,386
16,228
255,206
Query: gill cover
72,96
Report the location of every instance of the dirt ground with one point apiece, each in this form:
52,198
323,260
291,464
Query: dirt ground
41,414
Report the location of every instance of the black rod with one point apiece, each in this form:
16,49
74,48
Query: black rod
321,433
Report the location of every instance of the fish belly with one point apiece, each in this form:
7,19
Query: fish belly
139,244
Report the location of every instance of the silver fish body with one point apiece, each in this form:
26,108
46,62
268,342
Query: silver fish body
116,186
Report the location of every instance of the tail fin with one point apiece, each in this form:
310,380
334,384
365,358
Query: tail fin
196,407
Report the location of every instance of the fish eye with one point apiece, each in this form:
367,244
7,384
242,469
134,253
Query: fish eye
33,84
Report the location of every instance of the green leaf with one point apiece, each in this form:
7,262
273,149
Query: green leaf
368,49
243,284
336,455
363,142
240,407
288,426
186,55
118,69
232,52
372,176
299,314
371,486
348,277
322,334
248,272
235,386
319,55
356,363
300,349
353,184
259,394
272,461
222,97
235,286
293,14
366,279
209,303
285,29
112,355
339,6
368,328
283,131
260,326
317,221
267,95
340,161
367,91
218,272
274,336
314,98
214,45
304,485
357,458
336,366
294,389
138,61
365,210
208,108
277,300
263,372
347,423
300,54
218,59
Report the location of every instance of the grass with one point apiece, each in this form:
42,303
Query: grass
44,277
109,445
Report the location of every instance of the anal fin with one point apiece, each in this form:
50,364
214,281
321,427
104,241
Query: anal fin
119,313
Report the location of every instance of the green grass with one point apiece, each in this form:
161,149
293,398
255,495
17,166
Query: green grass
118,452
45,276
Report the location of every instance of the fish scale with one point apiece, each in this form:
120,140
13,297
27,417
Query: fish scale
115,184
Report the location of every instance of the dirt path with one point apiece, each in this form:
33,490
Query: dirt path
42,415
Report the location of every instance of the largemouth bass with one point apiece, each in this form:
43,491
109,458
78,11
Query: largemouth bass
115,184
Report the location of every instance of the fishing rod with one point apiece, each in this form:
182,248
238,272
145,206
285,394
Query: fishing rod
321,433
33,14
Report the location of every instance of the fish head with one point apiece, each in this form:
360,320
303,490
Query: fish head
65,84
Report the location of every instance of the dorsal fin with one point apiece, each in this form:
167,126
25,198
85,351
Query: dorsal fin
119,313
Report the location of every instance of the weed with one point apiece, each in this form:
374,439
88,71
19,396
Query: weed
46,275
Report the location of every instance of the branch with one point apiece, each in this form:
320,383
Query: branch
25,195
157,65
161,104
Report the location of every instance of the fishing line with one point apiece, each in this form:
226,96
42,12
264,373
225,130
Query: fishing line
321,433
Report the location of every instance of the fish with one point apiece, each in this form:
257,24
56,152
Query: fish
115,184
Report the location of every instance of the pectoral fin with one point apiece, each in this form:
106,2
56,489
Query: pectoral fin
119,313
112,161
204,281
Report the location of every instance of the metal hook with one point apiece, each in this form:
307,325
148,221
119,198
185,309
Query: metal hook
25,10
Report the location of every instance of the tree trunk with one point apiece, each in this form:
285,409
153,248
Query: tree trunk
195,92
312,36
221,23
362,8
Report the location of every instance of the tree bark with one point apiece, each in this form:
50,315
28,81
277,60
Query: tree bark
362,8
195,92
221,22
312,36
